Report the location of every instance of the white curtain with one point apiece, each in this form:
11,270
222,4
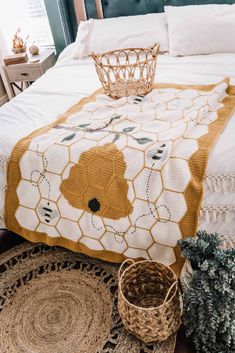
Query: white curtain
28,15
3,52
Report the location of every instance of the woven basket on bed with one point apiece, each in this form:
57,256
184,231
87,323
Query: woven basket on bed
148,300
127,72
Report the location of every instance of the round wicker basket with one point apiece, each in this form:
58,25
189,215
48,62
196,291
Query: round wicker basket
127,72
148,300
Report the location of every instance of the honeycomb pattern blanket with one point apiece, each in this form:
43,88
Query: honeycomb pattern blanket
119,178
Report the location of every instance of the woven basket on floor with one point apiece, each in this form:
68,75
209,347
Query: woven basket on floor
127,72
148,300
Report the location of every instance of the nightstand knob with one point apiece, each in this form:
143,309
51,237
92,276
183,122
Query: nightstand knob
24,74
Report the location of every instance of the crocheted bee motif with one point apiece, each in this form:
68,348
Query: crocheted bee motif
96,183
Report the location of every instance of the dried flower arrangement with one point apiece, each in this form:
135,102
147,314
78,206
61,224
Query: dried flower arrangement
209,302
19,45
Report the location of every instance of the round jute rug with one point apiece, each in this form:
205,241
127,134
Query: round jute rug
55,301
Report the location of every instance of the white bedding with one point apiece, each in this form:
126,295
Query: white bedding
70,80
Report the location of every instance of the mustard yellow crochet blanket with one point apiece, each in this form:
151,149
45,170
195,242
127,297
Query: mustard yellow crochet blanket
119,178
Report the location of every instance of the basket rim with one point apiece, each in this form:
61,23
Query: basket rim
97,57
152,307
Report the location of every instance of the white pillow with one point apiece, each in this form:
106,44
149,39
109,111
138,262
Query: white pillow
201,29
142,31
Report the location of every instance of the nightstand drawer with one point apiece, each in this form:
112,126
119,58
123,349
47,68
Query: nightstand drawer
27,72
23,73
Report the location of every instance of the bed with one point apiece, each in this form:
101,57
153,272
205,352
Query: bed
70,80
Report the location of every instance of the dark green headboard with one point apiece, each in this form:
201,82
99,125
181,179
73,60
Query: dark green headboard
198,2
115,8
63,14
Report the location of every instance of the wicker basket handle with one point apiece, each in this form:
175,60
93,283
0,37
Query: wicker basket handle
127,261
169,291
156,47
96,58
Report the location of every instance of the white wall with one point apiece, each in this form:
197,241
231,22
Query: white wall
3,95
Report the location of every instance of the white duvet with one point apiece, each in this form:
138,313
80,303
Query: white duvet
70,80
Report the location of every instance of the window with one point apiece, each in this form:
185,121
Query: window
28,15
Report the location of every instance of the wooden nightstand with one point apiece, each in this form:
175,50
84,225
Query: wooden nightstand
27,72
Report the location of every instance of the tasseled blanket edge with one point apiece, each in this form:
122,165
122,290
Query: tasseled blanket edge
218,213
223,183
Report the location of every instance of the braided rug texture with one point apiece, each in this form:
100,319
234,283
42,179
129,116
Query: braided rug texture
54,301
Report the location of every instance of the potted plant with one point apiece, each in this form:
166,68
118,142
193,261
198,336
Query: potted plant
209,301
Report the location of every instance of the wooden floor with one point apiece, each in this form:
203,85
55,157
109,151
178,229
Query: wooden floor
8,240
